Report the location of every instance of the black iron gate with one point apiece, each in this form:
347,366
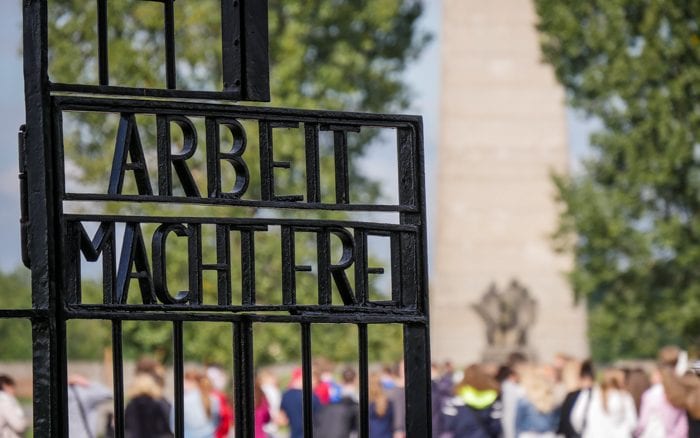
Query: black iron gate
54,240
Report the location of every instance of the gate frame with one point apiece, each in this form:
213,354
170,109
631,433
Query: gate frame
42,207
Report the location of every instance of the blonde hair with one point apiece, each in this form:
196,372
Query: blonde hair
205,388
377,394
612,379
539,388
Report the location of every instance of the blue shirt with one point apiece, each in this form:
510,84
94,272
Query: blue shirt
381,427
293,406
529,419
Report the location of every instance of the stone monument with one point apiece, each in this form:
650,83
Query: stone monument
503,133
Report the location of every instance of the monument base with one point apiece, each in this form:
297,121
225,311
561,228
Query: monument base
499,355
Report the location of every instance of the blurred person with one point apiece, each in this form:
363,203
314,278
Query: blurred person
13,422
684,392
339,419
219,382
381,409
200,407
262,411
273,397
84,401
475,410
657,416
537,412
511,392
326,388
387,377
292,407
147,412
570,376
437,398
585,383
397,395
605,411
637,382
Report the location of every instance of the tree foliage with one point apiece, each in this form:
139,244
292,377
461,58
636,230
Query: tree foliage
634,66
324,54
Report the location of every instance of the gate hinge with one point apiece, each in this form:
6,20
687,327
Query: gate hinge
23,196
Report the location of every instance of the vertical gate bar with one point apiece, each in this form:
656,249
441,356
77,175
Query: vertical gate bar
48,328
244,404
417,373
118,378
103,45
178,377
414,282
364,381
313,172
231,58
255,81
170,72
342,177
306,376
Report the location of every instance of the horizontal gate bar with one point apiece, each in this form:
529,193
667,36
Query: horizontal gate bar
201,109
230,202
298,223
353,318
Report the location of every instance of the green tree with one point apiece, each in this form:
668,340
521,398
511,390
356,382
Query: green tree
324,54
631,216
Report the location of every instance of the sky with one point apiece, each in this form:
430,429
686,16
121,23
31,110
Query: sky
423,77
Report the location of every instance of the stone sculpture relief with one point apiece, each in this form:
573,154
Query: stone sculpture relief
508,315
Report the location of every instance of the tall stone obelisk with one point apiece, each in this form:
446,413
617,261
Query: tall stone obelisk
503,133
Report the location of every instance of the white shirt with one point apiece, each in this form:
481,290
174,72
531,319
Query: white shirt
12,420
617,421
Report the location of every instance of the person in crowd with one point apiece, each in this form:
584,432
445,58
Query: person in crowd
397,396
339,419
537,413
585,383
273,396
443,389
322,388
201,408
436,399
291,407
84,401
219,382
636,383
387,377
13,422
605,411
657,416
381,409
262,411
326,388
475,409
684,392
511,392
146,414
559,363
570,377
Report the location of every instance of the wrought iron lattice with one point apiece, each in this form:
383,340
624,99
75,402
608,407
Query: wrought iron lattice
55,237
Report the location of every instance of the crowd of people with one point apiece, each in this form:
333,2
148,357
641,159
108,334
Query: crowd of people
207,407
567,398
518,399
